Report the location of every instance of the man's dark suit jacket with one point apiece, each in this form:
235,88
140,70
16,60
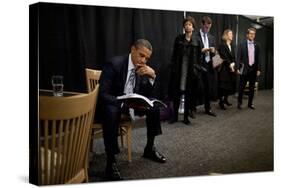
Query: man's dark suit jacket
113,79
243,58
212,43
209,79
112,82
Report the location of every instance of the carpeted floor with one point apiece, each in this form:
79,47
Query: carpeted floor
235,141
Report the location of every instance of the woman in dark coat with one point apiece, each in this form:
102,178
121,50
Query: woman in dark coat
185,71
227,72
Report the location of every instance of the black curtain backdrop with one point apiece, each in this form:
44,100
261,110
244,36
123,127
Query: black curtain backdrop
73,37
220,23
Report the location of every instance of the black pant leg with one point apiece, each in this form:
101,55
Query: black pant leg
187,100
153,122
176,104
112,115
242,84
252,80
206,91
193,94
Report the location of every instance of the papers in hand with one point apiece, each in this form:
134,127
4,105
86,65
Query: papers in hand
232,66
139,101
241,69
217,61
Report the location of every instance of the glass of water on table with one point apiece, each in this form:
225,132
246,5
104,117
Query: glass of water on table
57,83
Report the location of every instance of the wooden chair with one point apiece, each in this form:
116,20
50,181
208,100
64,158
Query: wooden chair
92,77
64,128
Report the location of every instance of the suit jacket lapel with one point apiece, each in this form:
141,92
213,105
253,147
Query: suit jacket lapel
246,50
228,50
125,71
200,38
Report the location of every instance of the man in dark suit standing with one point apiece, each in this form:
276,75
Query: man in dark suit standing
248,59
208,51
124,75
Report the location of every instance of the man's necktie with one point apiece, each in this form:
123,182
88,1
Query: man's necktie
206,45
251,53
129,88
130,84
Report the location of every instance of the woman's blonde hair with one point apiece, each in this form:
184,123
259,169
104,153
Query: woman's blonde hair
224,35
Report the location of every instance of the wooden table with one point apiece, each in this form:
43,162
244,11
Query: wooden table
45,92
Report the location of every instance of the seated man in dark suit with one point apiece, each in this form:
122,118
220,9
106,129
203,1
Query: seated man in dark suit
124,75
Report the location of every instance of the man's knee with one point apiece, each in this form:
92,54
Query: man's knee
111,117
112,111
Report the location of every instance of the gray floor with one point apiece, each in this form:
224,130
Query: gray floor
235,141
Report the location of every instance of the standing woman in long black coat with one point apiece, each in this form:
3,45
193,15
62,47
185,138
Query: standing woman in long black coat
227,70
185,71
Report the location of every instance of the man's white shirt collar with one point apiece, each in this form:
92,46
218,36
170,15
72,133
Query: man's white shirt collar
130,65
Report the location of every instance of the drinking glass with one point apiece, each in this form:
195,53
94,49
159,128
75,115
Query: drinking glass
57,83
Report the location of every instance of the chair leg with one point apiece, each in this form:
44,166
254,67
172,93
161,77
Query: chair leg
129,143
121,137
92,141
86,175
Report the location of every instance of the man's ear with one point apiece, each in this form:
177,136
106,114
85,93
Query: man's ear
133,48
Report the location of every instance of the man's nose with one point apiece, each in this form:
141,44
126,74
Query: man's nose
143,60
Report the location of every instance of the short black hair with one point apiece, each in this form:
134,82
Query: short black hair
189,19
206,19
143,43
251,29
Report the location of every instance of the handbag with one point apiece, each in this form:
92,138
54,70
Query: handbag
217,61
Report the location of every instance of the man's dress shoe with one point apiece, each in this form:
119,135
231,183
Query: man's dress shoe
210,113
112,173
154,155
251,107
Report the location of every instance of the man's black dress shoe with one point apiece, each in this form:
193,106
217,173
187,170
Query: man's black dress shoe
112,172
186,122
154,155
210,113
251,107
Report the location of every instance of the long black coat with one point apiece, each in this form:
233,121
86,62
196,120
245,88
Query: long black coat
226,78
192,50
